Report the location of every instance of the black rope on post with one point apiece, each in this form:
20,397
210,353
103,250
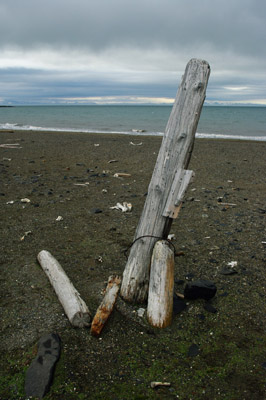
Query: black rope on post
149,236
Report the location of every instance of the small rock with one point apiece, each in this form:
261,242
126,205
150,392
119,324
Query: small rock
141,312
201,289
189,276
209,307
224,294
96,211
201,317
40,373
193,351
178,304
228,271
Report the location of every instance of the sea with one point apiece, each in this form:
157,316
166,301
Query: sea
216,122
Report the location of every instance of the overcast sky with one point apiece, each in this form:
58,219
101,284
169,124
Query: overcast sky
130,51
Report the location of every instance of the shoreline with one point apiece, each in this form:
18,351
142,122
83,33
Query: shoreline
140,134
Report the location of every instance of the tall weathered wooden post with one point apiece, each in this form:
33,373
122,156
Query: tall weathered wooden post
169,180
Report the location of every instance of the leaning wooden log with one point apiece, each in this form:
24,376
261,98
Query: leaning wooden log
161,288
167,180
106,307
74,307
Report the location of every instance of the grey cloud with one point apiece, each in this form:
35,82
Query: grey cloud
36,86
97,24
139,47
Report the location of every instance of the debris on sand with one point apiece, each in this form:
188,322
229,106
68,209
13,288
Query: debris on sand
123,207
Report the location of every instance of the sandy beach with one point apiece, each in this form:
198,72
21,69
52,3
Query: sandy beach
222,220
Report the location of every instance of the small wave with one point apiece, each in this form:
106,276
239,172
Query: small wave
230,137
139,130
135,132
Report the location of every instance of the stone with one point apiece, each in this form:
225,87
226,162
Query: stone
141,312
201,289
210,308
224,294
201,317
228,271
96,211
189,276
193,351
39,375
178,305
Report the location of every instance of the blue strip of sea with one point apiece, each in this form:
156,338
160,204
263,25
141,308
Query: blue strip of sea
246,123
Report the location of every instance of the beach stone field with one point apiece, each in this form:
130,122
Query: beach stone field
58,192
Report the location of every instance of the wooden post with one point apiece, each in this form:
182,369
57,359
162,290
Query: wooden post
75,308
167,183
161,287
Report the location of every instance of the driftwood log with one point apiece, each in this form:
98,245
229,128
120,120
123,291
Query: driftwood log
106,307
161,287
74,307
169,179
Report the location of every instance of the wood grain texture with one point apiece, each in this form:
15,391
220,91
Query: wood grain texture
177,192
161,287
74,307
174,154
106,307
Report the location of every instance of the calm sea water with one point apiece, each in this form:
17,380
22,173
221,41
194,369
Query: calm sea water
215,122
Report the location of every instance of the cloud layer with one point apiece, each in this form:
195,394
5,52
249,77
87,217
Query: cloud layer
59,50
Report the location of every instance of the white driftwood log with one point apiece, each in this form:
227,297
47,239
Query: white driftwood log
161,288
173,159
106,307
74,307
